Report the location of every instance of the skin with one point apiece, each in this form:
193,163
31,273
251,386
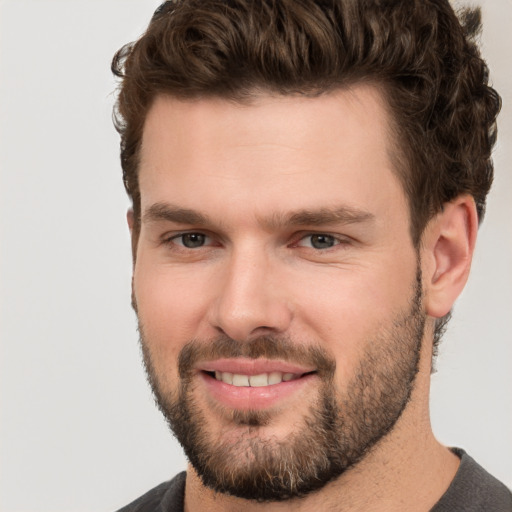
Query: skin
248,168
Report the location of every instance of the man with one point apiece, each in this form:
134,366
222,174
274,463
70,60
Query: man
307,180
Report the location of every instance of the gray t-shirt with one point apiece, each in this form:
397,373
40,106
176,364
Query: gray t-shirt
472,490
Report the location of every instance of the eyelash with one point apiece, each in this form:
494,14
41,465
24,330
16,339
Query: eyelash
172,239
336,239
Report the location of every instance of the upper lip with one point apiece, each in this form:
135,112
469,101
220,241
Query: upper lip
246,366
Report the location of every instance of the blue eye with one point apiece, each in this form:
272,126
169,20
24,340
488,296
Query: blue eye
319,241
192,240
322,241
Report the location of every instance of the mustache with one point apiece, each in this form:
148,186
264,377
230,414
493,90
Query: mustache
267,347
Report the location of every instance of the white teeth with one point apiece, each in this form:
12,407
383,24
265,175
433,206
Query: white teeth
255,381
240,380
227,377
275,378
258,381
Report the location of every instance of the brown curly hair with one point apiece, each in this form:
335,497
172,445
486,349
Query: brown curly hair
425,59
422,55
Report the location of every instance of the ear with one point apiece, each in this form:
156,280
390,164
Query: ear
133,232
131,223
447,251
130,220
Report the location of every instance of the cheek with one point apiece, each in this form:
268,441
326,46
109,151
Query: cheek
170,307
348,308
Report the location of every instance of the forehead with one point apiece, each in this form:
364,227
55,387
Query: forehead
289,151
344,114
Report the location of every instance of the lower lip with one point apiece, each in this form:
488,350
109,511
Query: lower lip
246,398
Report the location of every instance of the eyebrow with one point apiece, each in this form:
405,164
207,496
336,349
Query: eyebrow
320,217
170,213
305,217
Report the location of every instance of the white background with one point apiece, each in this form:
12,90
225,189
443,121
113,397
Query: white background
79,431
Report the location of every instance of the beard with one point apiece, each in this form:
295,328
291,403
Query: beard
336,431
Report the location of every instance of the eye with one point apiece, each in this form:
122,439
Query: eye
191,240
319,241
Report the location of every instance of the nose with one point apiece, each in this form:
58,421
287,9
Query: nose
252,299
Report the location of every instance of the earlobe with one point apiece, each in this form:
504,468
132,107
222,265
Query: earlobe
447,252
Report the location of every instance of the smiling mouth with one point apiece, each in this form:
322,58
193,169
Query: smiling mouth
255,381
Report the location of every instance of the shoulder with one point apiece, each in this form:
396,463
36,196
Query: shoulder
474,490
168,496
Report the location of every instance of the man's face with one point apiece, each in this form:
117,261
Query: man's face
277,289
